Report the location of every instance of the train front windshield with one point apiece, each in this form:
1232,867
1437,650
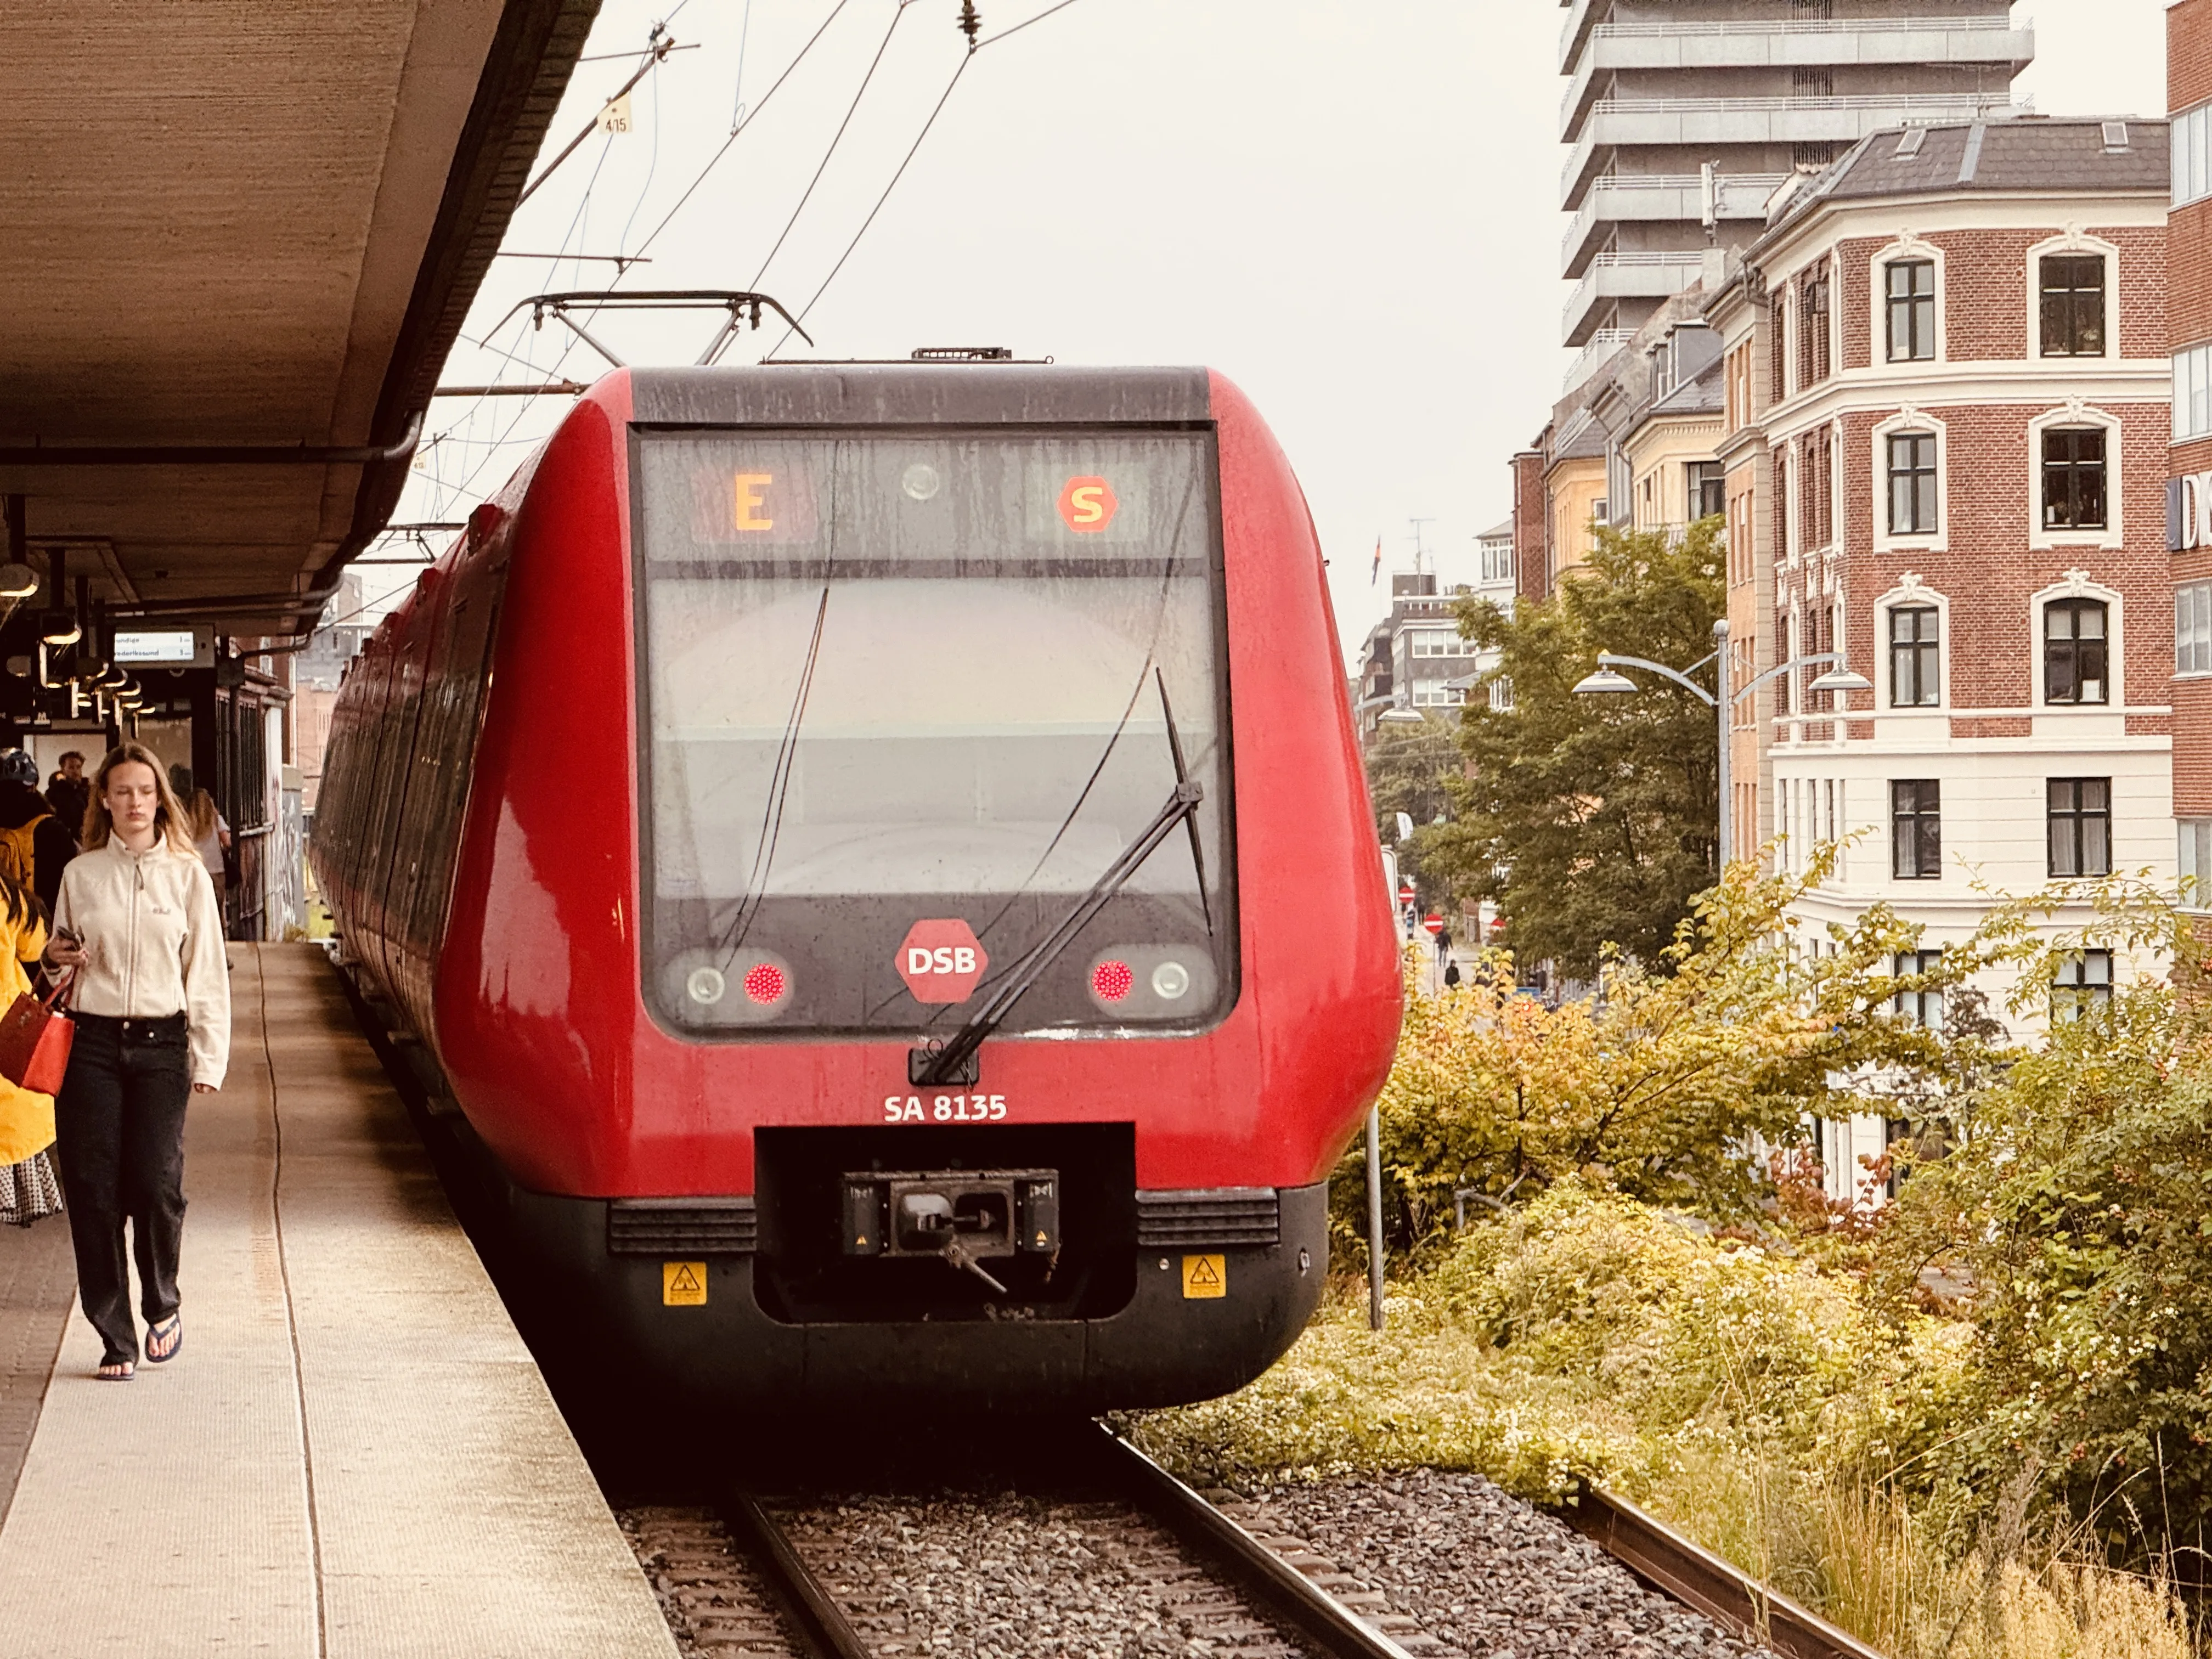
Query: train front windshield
900,689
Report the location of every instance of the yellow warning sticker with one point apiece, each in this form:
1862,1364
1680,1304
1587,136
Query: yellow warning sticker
1205,1275
683,1284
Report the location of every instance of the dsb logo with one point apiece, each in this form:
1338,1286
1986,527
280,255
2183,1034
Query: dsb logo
942,961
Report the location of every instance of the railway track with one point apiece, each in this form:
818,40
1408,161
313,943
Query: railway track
1121,1558
1695,1577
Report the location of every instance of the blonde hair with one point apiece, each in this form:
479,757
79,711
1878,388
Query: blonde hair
168,816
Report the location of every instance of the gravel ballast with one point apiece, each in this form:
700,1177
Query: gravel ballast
1001,1578
1480,1572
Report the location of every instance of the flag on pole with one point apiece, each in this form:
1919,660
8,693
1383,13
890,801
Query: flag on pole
1376,568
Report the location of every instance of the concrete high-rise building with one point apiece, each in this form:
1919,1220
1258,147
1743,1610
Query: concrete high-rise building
1682,117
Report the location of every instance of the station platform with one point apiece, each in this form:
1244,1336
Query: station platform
353,1454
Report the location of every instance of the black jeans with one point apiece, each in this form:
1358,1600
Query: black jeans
119,1127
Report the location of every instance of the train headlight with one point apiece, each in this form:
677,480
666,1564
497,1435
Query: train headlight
1133,983
711,986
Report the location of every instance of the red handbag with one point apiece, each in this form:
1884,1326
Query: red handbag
35,1034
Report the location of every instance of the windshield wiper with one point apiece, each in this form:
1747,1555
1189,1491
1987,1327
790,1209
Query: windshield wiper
926,1066
951,1063
1189,819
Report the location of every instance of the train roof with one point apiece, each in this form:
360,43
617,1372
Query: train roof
905,393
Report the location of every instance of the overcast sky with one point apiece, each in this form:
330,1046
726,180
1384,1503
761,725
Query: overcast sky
1349,208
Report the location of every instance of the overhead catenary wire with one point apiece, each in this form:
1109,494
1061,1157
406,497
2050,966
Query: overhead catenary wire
905,161
751,115
836,138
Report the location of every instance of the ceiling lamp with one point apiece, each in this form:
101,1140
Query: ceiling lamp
59,628
17,581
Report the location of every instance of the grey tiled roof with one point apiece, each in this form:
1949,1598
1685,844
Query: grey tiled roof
1700,395
2030,153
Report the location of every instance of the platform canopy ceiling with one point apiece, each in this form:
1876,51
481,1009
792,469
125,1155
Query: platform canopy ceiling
229,229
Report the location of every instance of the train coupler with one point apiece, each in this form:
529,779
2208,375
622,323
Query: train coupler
964,1217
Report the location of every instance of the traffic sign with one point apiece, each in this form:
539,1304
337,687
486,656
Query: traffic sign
941,960
1434,922
1405,894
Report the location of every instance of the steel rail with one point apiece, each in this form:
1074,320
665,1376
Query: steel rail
1277,1586
1698,1578
805,1601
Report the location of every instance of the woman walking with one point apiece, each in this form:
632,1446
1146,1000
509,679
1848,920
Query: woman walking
138,920
28,1188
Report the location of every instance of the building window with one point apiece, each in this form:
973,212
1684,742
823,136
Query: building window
2192,629
1782,681
2074,654
2072,305
1497,560
1916,825
2080,826
2074,478
1912,483
1813,327
2192,392
1501,693
1919,1007
2192,860
1708,490
1915,659
2192,154
1911,293
2082,982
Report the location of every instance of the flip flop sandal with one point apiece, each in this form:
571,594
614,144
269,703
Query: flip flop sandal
163,1340
116,1370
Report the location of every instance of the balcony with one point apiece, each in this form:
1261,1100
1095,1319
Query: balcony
1597,351
1627,276
1846,43
1705,122
1659,198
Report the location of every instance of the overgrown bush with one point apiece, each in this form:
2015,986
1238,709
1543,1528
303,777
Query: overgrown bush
1655,1088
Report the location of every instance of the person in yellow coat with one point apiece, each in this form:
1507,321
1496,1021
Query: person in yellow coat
28,1189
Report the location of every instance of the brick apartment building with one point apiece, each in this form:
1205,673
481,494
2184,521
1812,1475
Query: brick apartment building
1946,402
2189,491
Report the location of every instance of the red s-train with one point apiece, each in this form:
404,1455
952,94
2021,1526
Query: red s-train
878,858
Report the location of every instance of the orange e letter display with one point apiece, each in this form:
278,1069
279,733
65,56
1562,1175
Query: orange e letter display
752,489
1087,504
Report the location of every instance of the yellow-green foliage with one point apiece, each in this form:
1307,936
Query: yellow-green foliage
1660,1082
1760,1405
1584,1334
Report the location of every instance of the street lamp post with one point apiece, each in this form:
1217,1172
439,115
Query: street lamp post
1608,680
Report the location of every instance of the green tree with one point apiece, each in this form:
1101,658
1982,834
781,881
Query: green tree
1409,770
1592,820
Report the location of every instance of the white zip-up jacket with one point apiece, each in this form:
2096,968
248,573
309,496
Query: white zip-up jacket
153,944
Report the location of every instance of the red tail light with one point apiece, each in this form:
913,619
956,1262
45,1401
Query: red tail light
766,983
1111,981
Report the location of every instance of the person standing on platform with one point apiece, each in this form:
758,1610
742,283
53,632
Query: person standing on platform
69,792
209,830
28,1189
35,844
139,922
